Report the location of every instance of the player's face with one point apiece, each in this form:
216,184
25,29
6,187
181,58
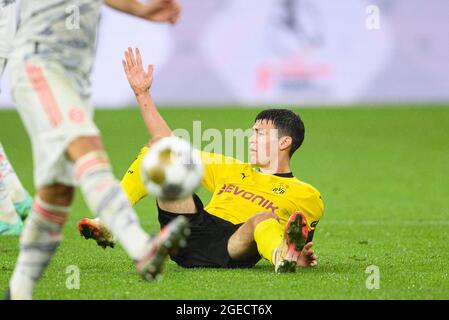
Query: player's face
264,144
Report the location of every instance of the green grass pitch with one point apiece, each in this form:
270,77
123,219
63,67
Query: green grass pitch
384,176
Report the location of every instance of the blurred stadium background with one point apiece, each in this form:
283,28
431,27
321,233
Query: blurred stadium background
297,52
374,98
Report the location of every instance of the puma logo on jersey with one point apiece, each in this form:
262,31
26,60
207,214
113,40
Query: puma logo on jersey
244,175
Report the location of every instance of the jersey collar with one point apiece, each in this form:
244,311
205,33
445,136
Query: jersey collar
284,175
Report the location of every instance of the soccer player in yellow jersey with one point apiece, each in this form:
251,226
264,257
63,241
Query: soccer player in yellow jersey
255,211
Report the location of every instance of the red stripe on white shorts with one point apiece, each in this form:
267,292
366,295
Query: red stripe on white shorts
45,94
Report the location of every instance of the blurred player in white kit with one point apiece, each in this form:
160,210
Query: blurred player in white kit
15,202
51,61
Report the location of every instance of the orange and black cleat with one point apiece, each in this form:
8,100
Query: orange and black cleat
97,230
172,237
293,241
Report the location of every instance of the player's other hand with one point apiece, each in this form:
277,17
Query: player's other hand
139,80
307,258
161,11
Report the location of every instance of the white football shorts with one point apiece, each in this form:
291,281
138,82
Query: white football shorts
54,113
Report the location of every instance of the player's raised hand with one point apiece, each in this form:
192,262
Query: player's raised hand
161,11
307,258
139,80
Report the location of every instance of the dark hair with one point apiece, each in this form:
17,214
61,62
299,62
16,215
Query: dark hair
288,123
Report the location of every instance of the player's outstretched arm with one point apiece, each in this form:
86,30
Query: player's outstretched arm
140,81
155,10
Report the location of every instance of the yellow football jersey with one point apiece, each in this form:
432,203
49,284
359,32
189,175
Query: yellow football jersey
240,191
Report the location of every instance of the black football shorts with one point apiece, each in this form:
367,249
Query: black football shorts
208,241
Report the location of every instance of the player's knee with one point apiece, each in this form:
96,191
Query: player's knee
57,194
183,206
262,216
83,145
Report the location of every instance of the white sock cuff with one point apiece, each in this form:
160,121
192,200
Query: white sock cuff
52,207
91,161
51,212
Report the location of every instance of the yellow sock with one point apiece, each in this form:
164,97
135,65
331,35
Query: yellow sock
268,236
